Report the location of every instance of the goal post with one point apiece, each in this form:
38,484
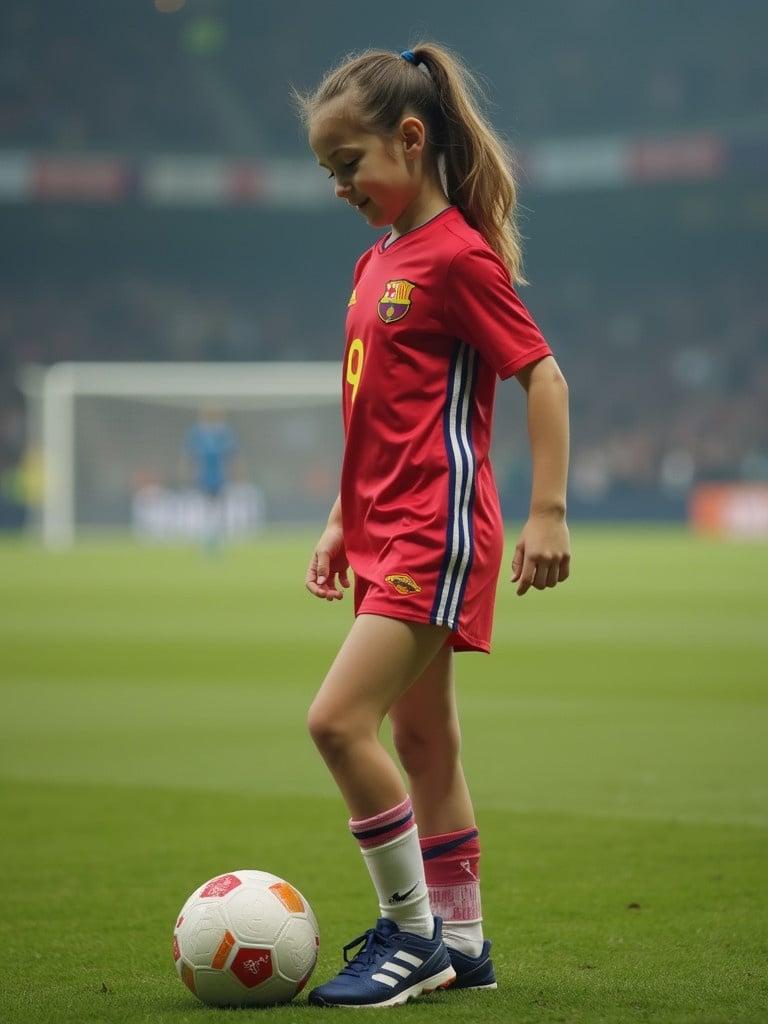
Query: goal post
104,429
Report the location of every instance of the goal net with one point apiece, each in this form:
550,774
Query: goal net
114,441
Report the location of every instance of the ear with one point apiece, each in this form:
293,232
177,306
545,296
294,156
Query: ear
413,137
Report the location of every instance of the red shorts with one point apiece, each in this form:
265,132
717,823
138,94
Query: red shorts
395,598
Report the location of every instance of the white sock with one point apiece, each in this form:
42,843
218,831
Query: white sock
396,867
466,936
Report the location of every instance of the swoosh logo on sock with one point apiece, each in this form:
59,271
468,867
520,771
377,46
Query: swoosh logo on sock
397,898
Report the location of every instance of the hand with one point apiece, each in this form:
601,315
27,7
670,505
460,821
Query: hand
543,553
328,560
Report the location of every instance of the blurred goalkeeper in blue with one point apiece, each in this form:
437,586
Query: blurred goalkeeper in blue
211,446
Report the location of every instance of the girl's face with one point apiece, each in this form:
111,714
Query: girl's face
379,176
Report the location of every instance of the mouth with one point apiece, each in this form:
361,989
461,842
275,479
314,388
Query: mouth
362,205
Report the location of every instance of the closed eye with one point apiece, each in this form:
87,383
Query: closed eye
347,167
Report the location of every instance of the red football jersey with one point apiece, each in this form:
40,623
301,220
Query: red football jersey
432,321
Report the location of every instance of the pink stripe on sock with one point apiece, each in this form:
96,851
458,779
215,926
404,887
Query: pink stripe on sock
452,869
451,858
381,828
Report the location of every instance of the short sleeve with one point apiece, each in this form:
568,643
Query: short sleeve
482,308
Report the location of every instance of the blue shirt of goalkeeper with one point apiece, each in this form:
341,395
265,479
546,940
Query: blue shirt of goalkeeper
211,443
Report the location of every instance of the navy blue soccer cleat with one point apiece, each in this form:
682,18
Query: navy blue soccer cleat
473,971
390,968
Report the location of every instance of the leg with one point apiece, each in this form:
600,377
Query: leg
403,955
428,740
425,730
376,665
213,527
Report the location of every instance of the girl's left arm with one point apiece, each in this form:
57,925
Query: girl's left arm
543,552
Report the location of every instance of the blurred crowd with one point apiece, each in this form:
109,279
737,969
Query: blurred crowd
71,78
215,75
669,376
669,382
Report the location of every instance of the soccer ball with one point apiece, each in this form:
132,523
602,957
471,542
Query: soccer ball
246,938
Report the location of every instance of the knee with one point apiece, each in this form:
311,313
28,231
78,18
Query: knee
420,748
330,732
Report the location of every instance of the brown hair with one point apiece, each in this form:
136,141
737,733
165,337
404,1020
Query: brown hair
476,162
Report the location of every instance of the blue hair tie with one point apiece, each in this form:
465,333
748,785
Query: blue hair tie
410,56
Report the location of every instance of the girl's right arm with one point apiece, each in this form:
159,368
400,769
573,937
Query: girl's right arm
335,517
328,559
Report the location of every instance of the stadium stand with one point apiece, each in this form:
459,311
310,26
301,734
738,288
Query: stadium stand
667,391
213,76
669,376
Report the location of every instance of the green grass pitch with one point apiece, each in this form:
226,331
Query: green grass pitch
152,735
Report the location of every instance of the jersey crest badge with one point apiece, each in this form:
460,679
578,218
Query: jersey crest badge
396,301
352,298
403,583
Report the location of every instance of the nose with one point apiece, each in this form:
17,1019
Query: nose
342,191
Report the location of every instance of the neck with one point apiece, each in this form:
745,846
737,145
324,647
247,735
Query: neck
429,202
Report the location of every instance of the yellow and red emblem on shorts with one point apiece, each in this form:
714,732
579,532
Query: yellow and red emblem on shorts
396,301
403,583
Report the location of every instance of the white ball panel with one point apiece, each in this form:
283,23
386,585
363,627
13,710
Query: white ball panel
276,990
251,877
296,949
254,915
219,988
201,932
311,917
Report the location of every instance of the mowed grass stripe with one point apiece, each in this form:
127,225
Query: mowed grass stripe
631,756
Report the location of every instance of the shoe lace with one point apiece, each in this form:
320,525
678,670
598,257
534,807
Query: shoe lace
375,945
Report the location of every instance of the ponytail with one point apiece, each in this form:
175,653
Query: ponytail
477,165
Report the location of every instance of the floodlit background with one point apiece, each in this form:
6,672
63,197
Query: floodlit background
169,245
160,203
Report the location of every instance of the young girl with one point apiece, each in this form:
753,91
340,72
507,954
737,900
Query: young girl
432,321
